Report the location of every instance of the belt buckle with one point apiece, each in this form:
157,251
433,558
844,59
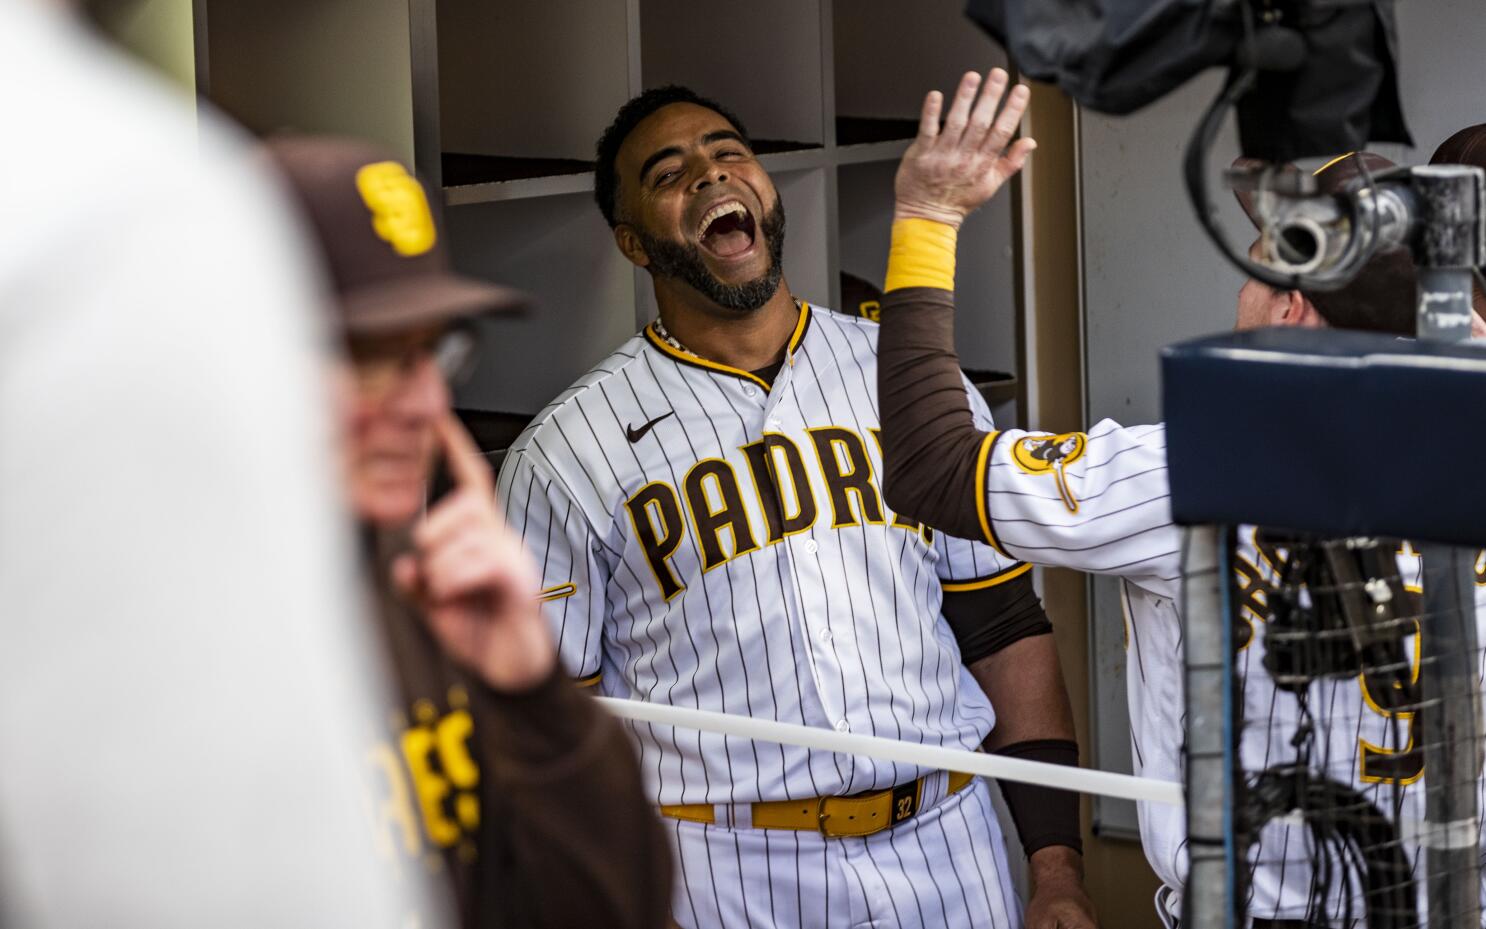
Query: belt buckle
821,816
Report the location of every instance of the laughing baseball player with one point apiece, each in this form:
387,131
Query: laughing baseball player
706,512
1098,502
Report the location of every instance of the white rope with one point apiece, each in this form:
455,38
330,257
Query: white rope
1040,773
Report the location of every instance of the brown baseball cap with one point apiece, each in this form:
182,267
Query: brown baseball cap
1382,295
382,247
1466,147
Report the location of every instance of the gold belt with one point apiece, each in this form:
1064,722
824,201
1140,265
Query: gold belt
833,817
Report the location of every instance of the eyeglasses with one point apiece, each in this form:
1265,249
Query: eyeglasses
385,364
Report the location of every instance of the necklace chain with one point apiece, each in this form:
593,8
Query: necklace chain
665,336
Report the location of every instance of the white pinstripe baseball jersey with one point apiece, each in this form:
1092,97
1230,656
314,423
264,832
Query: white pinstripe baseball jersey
709,540
1100,502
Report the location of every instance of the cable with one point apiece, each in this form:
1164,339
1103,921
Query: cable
1004,768
1240,82
1359,833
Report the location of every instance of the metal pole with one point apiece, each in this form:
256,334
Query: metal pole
1211,891
1451,239
1450,729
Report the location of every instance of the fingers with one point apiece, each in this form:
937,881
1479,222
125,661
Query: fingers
488,563
472,501
973,122
462,456
959,110
1006,124
928,117
455,514
463,545
1016,156
984,114
405,575
477,560
458,571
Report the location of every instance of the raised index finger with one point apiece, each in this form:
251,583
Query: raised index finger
462,456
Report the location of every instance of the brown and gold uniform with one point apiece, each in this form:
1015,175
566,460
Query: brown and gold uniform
529,806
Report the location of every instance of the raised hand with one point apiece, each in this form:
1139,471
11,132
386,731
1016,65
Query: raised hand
471,578
949,171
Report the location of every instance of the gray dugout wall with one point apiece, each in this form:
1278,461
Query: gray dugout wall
1152,278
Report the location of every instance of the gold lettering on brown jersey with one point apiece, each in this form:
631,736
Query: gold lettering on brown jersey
436,761
848,472
787,511
655,513
729,515
452,735
432,788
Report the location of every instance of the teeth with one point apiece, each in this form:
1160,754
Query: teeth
719,211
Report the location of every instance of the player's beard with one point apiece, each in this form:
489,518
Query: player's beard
683,261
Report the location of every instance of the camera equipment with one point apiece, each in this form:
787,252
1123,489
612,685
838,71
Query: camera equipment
1309,77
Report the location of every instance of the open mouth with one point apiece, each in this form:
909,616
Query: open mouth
727,230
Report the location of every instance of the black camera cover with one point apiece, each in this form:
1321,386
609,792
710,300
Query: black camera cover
1326,80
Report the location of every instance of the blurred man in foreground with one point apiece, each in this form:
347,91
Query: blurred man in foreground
180,675
497,768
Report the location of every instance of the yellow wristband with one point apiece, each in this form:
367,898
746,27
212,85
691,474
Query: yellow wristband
922,255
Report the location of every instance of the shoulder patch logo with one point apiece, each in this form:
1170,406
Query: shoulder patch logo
1039,454
1050,454
399,208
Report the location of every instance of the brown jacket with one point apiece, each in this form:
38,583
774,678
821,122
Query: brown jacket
532,803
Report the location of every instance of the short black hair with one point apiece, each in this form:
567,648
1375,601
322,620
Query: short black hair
605,178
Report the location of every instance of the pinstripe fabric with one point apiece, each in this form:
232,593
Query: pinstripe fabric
1101,503
708,570
938,869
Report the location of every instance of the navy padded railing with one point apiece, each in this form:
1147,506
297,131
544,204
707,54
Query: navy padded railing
1337,433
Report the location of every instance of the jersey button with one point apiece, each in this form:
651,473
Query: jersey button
842,725
825,636
776,424
750,391
811,547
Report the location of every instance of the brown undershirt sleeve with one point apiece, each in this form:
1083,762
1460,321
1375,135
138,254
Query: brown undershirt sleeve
930,444
580,842
989,619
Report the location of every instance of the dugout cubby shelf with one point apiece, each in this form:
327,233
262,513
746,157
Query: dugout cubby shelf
560,250
985,322
498,104
523,88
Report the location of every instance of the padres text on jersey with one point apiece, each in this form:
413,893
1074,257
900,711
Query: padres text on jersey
709,540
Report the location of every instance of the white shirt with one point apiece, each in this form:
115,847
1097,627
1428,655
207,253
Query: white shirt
182,678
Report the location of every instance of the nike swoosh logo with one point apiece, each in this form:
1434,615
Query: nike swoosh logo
636,435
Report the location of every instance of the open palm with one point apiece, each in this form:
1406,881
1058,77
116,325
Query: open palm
951,170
